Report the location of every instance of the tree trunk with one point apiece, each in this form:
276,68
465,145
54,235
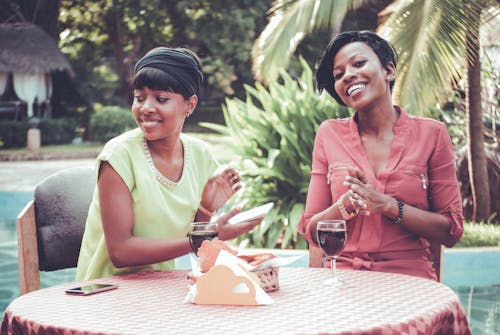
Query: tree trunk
46,15
478,174
122,62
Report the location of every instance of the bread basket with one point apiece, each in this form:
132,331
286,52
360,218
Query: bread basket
269,278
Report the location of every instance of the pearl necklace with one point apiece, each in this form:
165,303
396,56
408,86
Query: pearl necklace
161,178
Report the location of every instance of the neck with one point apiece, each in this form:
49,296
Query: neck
168,148
378,121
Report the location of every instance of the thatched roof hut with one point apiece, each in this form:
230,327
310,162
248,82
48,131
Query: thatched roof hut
26,48
28,59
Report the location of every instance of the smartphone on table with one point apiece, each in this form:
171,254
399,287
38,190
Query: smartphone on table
91,289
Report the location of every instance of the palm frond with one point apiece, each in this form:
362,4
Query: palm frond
289,23
429,36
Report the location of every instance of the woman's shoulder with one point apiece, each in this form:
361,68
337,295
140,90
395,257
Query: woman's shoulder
193,139
124,142
195,144
336,123
425,124
131,136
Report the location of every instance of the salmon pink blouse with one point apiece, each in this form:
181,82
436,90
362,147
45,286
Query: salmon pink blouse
420,172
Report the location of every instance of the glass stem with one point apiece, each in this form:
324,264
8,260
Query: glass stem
333,265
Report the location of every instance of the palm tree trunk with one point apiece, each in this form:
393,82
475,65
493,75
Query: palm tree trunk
478,174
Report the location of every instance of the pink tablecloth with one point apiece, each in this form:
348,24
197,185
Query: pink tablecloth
151,303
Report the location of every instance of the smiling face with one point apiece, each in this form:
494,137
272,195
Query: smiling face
361,81
161,114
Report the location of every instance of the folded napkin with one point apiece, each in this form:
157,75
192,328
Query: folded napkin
228,282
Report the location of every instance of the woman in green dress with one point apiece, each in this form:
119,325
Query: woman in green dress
154,181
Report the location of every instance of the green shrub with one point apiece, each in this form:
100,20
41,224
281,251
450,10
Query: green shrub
480,235
52,131
110,121
58,131
272,133
13,134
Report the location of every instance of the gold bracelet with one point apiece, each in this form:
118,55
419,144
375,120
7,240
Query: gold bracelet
205,211
345,214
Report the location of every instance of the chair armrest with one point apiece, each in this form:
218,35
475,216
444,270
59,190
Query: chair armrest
27,246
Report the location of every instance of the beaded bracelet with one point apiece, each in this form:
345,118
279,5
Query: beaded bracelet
400,213
345,214
206,211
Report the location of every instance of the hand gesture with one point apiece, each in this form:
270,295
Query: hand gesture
228,231
219,188
355,172
357,203
364,196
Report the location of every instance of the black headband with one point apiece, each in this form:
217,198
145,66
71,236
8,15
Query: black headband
176,63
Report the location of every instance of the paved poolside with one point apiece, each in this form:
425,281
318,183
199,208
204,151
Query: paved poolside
24,175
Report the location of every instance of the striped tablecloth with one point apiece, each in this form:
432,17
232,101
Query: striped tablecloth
152,303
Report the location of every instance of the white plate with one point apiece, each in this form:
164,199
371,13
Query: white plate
252,214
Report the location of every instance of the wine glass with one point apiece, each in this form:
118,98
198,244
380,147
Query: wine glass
200,232
331,235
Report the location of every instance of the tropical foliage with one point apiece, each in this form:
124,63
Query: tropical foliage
428,35
272,134
289,23
438,44
104,39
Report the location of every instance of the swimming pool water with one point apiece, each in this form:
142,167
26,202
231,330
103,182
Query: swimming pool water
474,274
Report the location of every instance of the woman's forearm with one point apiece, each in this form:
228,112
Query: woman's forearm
137,251
433,226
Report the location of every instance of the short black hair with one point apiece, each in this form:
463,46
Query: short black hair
157,79
324,73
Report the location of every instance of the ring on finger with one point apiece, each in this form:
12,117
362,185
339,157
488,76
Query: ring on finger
351,199
356,190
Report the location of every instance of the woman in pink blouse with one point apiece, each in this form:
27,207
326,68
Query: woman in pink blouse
389,174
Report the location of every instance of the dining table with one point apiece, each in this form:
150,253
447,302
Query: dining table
152,302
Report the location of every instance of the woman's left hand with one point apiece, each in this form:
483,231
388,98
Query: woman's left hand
374,201
219,188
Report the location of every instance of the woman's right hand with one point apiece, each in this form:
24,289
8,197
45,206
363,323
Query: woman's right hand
228,231
219,188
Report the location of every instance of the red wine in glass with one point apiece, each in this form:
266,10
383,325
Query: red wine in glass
332,236
200,232
197,238
331,240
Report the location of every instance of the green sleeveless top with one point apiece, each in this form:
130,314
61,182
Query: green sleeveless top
162,208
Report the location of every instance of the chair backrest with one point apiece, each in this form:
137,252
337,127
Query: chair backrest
436,249
50,227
